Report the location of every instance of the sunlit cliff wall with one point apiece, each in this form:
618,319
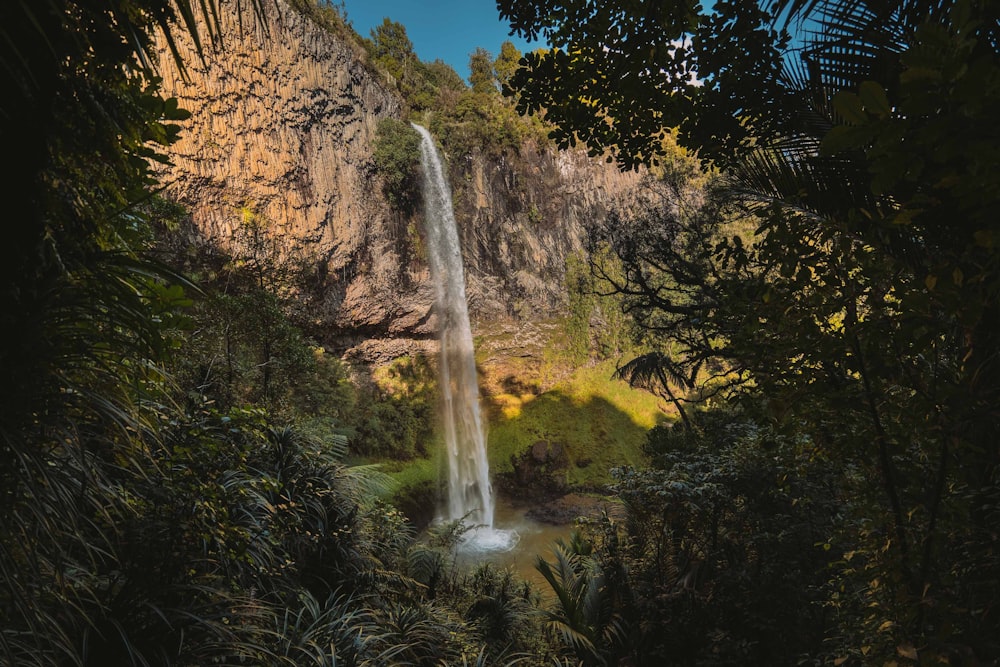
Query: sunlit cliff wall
282,130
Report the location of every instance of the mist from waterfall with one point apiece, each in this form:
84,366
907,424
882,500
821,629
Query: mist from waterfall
470,495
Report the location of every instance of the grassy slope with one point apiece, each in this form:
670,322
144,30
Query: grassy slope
531,394
598,421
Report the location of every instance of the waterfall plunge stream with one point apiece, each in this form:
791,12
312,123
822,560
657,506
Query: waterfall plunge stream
470,496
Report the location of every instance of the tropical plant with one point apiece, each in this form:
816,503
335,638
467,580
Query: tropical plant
137,531
338,631
89,322
860,152
721,557
585,614
503,606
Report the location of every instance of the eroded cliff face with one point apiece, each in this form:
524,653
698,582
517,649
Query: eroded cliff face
520,217
282,132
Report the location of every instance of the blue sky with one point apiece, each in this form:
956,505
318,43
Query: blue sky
445,29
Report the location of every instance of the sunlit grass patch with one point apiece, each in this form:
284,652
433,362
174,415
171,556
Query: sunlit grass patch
598,423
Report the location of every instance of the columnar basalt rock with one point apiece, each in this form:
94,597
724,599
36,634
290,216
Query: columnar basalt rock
282,130
282,126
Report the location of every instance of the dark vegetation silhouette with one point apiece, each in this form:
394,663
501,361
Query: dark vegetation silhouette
821,307
856,310
156,505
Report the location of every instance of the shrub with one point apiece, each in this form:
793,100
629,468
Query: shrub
397,159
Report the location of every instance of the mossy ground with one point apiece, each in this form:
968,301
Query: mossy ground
599,423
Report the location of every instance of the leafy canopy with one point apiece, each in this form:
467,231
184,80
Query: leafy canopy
865,307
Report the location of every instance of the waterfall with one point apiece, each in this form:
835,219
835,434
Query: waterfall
469,492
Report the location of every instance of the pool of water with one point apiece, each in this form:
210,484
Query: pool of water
533,539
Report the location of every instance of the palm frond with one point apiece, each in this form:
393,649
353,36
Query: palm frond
340,629
795,176
416,634
651,370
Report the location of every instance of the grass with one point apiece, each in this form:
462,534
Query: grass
532,392
413,472
599,422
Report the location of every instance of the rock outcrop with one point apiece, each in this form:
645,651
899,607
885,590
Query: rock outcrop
282,133
521,218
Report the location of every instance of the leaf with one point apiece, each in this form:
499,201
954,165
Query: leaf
839,138
849,106
907,651
930,281
874,99
920,74
984,238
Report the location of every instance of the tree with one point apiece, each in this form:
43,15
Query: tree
89,317
506,63
444,76
391,47
718,555
481,76
867,156
634,69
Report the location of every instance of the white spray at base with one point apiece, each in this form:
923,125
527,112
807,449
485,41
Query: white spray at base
470,495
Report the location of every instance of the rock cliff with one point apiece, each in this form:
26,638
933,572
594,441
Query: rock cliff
520,218
282,131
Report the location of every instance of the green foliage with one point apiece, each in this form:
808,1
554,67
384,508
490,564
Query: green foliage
584,613
619,78
394,418
582,413
332,17
88,317
581,308
506,63
596,326
719,558
243,346
865,308
481,75
503,606
397,159
732,523
678,269
390,426
444,78
464,119
392,48
138,529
